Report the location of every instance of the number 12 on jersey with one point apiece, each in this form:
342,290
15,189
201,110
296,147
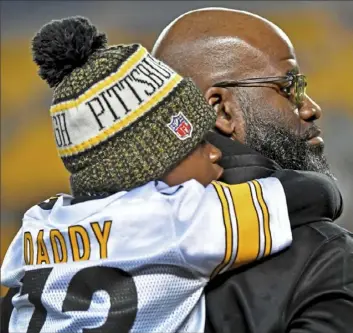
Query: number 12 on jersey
118,284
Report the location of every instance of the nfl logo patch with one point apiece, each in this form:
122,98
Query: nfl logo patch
180,126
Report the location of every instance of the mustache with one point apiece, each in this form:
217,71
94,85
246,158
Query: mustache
312,132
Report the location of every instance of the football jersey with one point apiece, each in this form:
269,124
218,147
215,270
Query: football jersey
138,261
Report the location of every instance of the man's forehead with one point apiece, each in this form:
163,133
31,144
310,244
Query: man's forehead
213,45
270,61
231,55
252,39
245,59
275,49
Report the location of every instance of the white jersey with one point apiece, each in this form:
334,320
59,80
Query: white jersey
138,261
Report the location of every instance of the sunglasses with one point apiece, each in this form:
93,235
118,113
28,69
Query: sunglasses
293,86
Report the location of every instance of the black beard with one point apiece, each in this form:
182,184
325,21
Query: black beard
274,140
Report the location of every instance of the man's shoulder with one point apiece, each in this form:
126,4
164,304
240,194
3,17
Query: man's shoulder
314,239
309,242
318,259
326,243
329,231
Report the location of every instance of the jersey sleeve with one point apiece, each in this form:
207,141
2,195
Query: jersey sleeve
232,225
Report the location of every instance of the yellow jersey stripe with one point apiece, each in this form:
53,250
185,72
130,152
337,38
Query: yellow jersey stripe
122,71
124,122
228,229
248,224
266,215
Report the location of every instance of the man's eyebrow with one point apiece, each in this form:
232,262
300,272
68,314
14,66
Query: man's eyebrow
293,71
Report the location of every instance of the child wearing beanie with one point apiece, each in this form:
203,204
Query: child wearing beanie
147,224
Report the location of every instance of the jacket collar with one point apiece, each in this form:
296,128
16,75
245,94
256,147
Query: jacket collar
240,162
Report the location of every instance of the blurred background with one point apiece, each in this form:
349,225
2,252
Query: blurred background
31,171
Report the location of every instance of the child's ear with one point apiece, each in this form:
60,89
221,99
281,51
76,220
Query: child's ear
218,98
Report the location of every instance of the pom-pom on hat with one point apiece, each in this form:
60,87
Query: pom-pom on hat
120,117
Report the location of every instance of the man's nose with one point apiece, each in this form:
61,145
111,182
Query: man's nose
310,111
215,154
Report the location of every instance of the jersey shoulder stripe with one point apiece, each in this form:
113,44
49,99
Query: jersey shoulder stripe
228,227
244,204
266,218
246,222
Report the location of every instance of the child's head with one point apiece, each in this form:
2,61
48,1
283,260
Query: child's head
121,118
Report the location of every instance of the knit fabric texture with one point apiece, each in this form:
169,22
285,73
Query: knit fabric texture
124,118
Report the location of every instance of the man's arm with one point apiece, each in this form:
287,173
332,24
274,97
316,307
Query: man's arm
323,300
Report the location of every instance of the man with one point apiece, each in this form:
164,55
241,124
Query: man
247,69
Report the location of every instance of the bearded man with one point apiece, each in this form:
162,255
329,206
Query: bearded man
247,69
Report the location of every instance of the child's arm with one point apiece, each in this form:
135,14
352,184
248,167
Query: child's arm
226,226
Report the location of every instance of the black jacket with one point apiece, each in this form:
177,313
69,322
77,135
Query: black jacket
307,288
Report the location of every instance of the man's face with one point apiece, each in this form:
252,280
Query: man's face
278,127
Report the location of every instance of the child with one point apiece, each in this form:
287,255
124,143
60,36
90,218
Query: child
147,224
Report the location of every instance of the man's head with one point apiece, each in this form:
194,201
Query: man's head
215,45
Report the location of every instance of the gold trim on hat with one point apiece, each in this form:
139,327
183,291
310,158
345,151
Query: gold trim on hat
122,71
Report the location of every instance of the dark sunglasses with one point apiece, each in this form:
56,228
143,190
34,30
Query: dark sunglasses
293,86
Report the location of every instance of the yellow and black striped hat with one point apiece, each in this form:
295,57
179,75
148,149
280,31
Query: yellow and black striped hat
121,117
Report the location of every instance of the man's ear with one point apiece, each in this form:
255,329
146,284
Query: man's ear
220,100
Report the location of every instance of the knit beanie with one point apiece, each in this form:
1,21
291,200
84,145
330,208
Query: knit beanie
121,118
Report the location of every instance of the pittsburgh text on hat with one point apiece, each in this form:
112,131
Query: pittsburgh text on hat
62,136
147,73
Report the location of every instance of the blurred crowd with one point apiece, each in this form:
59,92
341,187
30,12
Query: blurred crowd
31,171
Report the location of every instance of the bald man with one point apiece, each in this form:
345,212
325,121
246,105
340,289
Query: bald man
247,68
